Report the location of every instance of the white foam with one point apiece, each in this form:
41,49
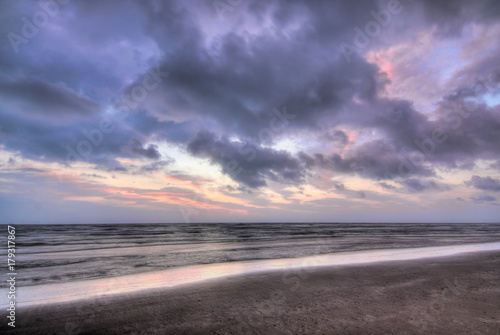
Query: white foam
71,291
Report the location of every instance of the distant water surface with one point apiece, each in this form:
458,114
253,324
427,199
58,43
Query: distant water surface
63,253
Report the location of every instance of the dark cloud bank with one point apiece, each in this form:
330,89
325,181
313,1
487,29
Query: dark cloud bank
230,80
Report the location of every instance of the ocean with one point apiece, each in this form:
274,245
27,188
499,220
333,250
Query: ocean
51,254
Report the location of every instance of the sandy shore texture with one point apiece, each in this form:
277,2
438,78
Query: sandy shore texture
452,295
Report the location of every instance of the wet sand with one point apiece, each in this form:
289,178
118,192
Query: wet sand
451,295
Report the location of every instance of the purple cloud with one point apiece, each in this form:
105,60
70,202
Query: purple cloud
484,183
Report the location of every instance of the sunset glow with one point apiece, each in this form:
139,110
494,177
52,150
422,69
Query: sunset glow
177,112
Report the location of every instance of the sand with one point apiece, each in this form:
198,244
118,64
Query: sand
451,295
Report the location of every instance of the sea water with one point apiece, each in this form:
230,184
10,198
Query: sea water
82,260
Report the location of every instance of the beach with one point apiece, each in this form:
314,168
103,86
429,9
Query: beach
457,294
252,167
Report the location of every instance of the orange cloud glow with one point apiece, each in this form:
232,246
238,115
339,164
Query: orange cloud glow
382,60
176,198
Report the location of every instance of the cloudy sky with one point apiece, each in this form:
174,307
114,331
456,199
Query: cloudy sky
246,110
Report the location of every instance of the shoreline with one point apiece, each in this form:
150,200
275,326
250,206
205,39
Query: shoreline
47,294
456,294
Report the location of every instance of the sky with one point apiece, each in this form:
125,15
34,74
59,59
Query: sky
249,111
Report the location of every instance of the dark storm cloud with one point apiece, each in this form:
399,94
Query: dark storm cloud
157,166
236,87
230,84
33,139
37,97
53,97
376,160
137,148
239,189
229,79
416,185
495,165
237,79
484,183
483,198
387,186
250,166
450,17
76,48
171,131
462,131
338,138
81,141
339,186
360,194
